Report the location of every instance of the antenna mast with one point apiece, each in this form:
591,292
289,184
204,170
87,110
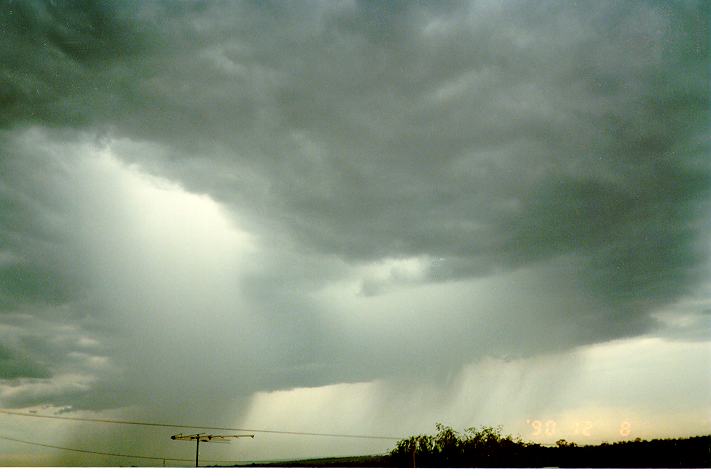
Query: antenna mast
205,438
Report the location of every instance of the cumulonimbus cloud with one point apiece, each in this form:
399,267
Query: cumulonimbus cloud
515,152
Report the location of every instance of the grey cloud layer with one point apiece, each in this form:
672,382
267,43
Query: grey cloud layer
488,137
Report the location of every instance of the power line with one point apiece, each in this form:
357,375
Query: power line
170,425
120,455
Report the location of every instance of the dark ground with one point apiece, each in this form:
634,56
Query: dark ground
694,452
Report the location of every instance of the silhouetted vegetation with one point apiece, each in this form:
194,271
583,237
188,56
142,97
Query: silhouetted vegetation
486,447
483,447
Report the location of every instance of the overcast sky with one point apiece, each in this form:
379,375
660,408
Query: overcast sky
352,217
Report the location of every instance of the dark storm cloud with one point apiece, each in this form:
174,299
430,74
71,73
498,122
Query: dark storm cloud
13,364
35,267
486,137
54,55
492,136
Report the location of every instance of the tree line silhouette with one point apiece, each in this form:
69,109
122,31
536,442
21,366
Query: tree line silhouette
487,447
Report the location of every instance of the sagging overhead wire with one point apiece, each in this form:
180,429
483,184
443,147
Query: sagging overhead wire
102,453
204,427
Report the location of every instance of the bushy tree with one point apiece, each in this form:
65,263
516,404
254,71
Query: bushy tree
483,447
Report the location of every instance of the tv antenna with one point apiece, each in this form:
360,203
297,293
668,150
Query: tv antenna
205,438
